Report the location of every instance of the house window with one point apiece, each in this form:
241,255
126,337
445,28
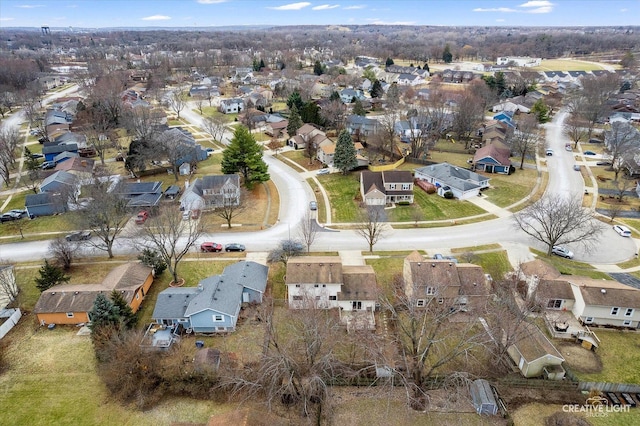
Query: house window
315,285
588,320
69,314
628,312
392,186
324,285
441,300
333,297
554,304
406,186
627,323
297,285
431,291
218,318
614,310
420,303
138,296
297,297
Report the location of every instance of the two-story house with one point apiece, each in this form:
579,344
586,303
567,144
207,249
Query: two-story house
210,192
230,106
386,187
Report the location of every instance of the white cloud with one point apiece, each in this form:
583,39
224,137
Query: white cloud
292,6
211,1
537,3
545,9
381,22
325,7
354,7
6,19
156,18
494,9
30,6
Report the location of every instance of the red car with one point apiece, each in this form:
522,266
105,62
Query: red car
142,217
210,246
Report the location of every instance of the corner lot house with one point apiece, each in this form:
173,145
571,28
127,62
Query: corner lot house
210,192
213,306
461,182
387,187
71,303
605,302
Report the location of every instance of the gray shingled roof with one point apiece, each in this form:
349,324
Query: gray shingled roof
173,302
248,274
219,293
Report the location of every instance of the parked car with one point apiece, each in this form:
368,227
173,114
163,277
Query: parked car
48,165
142,217
549,152
234,247
210,151
292,246
594,140
603,163
19,214
622,230
13,215
36,156
313,205
7,217
438,256
210,246
78,236
576,167
323,171
589,153
562,252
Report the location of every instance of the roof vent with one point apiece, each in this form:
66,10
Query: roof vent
52,293
603,291
433,265
450,264
76,292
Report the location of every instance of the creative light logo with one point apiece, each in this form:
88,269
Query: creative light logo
596,406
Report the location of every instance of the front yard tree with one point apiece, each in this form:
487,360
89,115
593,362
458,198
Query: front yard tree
171,236
9,139
308,230
541,111
467,115
50,275
63,252
376,89
574,129
372,223
525,138
344,158
447,56
595,94
231,207
177,101
106,215
295,122
243,155
214,126
620,140
557,220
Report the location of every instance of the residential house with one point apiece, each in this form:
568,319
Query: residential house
183,146
82,168
71,303
71,137
308,134
519,61
277,129
210,192
605,302
360,126
230,106
386,187
62,183
243,75
349,94
64,156
57,117
323,282
410,80
203,91
140,194
50,150
492,159
505,117
213,306
461,182
456,286
535,355
512,105
45,204
327,150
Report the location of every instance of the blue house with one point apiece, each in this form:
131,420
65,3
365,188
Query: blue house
50,150
140,194
506,117
213,306
44,204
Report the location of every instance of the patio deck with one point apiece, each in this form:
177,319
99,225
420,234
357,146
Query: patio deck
159,336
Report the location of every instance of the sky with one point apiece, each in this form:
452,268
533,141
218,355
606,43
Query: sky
207,13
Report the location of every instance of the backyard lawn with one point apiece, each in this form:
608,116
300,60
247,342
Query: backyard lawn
619,355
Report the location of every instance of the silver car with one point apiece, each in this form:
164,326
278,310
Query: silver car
562,252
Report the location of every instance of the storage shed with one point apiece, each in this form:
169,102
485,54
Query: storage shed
483,398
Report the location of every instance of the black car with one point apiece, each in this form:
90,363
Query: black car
603,163
12,215
78,236
234,247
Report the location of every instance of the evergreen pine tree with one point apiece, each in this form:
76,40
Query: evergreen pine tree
344,158
295,122
447,56
244,155
376,89
103,313
317,68
127,318
50,275
358,109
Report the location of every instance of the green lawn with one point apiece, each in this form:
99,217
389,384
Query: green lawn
508,189
432,207
386,268
494,263
342,191
571,267
620,358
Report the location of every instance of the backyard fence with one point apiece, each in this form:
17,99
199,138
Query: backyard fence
13,316
609,387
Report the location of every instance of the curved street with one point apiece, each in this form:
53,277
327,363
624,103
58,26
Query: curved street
295,194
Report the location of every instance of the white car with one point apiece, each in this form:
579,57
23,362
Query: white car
562,252
323,171
622,230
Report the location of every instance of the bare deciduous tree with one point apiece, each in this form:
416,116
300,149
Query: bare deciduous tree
9,140
574,128
8,288
106,215
622,139
177,101
63,252
466,117
214,126
372,223
555,220
308,230
525,138
231,206
596,91
171,237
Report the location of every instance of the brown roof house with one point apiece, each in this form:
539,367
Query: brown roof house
308,133
387,187
71,303
605,302
461,287
535,355
492,159
323,282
